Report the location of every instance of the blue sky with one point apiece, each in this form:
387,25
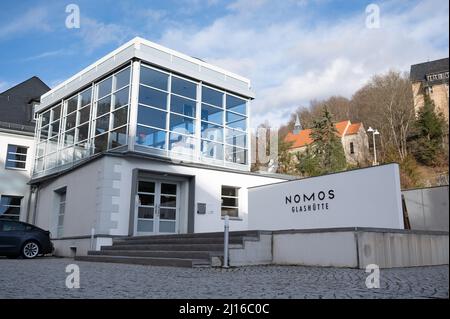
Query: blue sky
294,51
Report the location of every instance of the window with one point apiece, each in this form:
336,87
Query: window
16,157
10,207
352,148
90,121
61,211
12,226
230,201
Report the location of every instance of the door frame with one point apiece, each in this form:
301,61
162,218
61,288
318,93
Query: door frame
156,206
187,209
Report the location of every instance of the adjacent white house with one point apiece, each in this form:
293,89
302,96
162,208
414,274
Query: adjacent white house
17,126
144,141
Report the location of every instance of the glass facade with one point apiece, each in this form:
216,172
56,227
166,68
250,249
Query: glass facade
189,119
176,117
89,122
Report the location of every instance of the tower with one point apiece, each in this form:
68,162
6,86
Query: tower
297,125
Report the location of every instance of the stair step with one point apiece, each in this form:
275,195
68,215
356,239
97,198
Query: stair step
171,247
157,253
209,240
246,233
175,262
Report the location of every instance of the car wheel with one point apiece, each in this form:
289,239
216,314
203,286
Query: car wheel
30,249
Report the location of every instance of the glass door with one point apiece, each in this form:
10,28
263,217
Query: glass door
156,208
167,208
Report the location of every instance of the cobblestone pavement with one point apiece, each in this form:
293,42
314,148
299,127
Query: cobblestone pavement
45,278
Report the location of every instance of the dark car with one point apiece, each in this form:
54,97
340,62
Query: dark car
22,239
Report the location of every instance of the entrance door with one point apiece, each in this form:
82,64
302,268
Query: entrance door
157,207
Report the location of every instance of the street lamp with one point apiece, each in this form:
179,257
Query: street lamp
374,132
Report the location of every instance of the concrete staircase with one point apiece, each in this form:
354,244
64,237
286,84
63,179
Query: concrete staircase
182,250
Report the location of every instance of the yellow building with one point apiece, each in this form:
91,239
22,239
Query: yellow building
431,78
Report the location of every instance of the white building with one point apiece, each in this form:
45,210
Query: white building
17,127
144,141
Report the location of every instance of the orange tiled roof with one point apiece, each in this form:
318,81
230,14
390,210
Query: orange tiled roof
303,138
353,129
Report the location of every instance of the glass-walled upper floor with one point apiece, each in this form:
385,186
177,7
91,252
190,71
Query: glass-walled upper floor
174,117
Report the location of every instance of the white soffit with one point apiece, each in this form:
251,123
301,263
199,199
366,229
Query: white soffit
153,54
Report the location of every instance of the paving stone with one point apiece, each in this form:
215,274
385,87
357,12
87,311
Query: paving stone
46,277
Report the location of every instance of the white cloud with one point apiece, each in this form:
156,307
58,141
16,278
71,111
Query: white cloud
95,34
32,20
47,54
292,61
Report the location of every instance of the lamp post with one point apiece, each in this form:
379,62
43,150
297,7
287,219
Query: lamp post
374,132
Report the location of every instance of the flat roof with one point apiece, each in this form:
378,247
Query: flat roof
154,54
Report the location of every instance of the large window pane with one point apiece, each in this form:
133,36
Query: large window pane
236,121
69,137
44,132
212,132
211,96
150,137
151,117
101,143
50,161
212,114
212,150
181,124
154,78
81,150
71,121
55,128
103,105
45,118
52,144
72,104
120,117
236,138
152,97
85,97
183,87
102,124
235,155
56,112
66,155
119,137
40,149
181,144
121,98
236,105
182,106
105,87
122,78
83,132
84,114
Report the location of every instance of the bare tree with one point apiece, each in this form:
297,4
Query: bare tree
386,103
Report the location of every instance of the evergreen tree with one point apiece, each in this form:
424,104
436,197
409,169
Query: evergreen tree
327,148
308,164
285,158
429,127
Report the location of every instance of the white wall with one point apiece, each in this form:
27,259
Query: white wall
12,181
81,201
99,194
333,249
208,188
368,197
428,208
